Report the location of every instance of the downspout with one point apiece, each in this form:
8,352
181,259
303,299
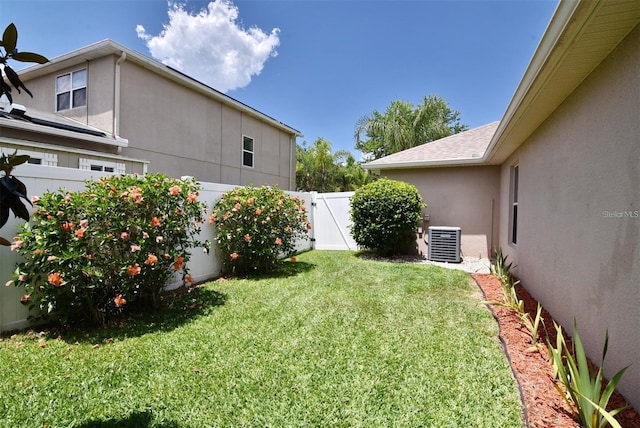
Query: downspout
292,174
116,98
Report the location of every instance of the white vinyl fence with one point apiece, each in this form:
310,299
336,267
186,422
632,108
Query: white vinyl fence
329,216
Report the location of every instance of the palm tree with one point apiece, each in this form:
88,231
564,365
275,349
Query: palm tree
402,127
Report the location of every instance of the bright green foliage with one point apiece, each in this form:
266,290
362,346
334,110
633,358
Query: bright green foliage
584,388
115,245
319,169
402,126
256,227
385,216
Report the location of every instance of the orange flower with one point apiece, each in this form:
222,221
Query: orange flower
152,259
234,256
247,237
188,280
25,299
237,206
124,235
67,227
17,244
80,233
258,211
133,270
174,190
250,201
212,219
119,301
293,259
179,263
278,241
192,197
308,226
135,248
55,279
155,222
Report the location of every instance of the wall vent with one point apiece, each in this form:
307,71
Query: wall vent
444,244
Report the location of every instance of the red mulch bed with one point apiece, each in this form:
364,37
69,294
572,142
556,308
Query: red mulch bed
532,368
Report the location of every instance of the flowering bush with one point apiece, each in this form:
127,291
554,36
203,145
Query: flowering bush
116,244
256,227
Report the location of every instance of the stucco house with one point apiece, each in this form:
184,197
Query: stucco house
147,116
556,183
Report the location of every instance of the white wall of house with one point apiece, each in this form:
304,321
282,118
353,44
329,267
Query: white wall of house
578,244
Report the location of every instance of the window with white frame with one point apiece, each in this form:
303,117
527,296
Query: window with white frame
35,158
515,172
247,151
101,166
71,90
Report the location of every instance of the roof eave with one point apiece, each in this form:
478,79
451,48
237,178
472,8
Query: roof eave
536,98
424,164
31,127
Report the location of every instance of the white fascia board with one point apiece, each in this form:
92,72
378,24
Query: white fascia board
46,130
424,164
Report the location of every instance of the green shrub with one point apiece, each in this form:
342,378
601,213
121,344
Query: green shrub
257,227
115,245
385,216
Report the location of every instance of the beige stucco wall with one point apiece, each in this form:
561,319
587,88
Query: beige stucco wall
178,130
578,248
100,94
182,132
466,197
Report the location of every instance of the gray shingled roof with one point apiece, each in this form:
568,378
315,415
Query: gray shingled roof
467,145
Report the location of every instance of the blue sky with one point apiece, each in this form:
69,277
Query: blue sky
316,65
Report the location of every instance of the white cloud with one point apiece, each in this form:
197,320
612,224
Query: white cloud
211,46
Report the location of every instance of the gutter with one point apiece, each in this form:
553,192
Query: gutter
421,164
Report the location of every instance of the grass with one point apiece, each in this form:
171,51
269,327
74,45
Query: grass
335,341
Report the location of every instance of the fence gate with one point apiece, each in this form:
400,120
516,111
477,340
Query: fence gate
332,221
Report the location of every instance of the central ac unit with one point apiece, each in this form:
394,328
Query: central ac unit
444,244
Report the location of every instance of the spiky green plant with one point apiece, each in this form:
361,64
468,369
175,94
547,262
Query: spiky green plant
584,390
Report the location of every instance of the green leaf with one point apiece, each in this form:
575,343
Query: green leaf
29,57
10,38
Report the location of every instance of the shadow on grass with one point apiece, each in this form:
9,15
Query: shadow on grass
286,270
180,307
134,420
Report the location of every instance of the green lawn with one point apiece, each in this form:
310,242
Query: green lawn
338,341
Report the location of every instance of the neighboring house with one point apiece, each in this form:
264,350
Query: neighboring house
558,186
146,110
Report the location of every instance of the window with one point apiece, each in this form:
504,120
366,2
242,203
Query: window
247,151
71,90
101,166
35,158
514,203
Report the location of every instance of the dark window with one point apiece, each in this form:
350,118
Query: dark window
71,90
247,151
